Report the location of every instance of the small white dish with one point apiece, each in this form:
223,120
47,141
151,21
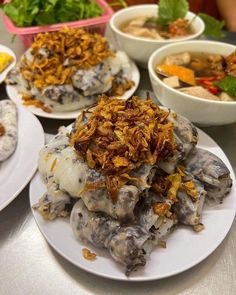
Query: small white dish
11,65
139,48
181,252
203,112
16,97
17,170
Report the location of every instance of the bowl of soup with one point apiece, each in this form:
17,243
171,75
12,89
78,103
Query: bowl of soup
136,34
197,79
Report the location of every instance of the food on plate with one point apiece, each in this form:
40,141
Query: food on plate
8,128
201,74
127,173
66,70
27,13
5,60
171,22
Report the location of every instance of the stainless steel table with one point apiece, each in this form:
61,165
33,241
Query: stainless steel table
28,265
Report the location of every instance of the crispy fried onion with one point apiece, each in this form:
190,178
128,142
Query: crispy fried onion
57,55
169,185
31,101
120,87
89,255
121,135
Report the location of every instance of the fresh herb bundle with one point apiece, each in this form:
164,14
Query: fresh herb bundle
43,12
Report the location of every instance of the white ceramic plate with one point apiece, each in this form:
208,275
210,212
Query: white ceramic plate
185,248
17,170
13,95
9,51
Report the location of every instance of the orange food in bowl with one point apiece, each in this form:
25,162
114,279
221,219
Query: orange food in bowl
184,74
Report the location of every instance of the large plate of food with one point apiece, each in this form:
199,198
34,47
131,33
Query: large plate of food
65,71
7,61
132,191
18,152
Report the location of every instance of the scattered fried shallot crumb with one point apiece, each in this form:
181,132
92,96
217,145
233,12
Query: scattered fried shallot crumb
87,254
30,101
118,89
198,227
47,214
162,244
161,209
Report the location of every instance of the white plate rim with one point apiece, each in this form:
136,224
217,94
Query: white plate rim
38,218
16,98
38,132
6,49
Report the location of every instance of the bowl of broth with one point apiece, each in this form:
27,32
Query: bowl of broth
136,34
197,79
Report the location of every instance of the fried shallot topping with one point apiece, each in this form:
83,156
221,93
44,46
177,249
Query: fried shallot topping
119,136
179,28
167,186
57,55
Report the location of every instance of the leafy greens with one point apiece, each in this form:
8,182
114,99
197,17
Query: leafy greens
42,12
213,27
228,85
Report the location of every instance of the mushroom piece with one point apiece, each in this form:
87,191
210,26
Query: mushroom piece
199,91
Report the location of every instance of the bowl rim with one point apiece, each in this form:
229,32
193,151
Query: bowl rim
193,42
165,41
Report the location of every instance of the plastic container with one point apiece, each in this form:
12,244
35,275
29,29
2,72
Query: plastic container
27,34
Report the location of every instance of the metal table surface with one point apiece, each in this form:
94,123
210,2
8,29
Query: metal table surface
28,265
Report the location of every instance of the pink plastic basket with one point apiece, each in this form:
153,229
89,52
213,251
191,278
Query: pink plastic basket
97,24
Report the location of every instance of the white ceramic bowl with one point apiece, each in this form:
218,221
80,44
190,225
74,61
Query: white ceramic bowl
199,110
138,48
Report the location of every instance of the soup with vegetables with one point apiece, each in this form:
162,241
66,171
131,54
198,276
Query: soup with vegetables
204,75
147,27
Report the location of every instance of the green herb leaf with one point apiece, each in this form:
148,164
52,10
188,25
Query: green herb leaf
228,85
171,10
46,14
213,27
25,13
77,9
